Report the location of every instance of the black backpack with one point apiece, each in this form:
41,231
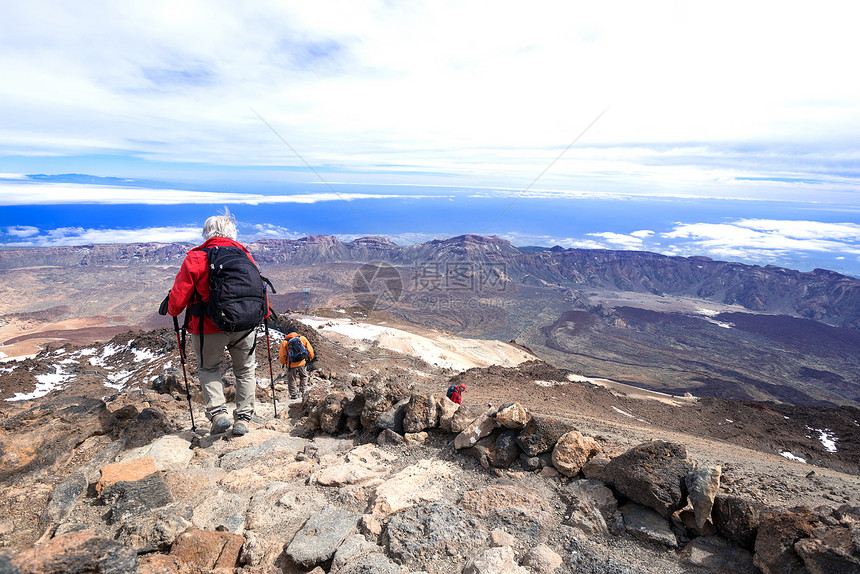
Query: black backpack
451,390
237,291
296,350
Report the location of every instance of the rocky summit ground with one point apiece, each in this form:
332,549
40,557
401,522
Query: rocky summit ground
373,471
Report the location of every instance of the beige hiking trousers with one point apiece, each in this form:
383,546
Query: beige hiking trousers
209,372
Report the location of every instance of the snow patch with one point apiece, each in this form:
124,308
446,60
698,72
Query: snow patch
626,414
729,421
143,355
549,383
451,352
44,385
826,437
790,456
118,380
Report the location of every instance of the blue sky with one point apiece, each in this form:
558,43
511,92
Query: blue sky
733,126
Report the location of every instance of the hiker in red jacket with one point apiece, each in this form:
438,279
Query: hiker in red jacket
455,393
192,285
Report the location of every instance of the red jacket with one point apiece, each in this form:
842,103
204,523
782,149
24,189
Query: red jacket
193,277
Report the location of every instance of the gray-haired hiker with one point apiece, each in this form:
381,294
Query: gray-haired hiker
220,284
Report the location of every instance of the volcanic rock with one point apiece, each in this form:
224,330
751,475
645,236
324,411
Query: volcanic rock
645,524
512,416
541,433
572,451
498,560
421,413
737,519
206,550
652,474
702,485
778,534
321,536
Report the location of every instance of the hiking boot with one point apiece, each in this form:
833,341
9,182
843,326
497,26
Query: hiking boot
240,427
294,397
220,424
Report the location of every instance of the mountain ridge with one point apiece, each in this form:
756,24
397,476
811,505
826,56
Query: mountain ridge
821,295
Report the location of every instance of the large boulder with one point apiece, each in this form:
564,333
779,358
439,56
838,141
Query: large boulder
737,519
432,537
392,419
507,450
464,416
645,524
475,431
594,490
831,549
512,504
168,452
378,399
78,552
280,448
541,434
572,451
590,505
134,498
702,486
447,410
421,413
329,413
512,416
652,474
127,471
778,534
39,440
423,481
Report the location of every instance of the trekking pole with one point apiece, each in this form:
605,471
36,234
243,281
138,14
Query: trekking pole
181,342
271,374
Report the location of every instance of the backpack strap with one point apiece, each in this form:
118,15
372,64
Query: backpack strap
242,338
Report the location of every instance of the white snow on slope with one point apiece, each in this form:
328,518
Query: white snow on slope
44,385
826,437
445,351
790,456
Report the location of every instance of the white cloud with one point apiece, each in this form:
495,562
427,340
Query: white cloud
68,193
770,235
444,86
619,240
65,236
22,230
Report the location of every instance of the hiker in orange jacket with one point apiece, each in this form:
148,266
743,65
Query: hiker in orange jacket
290,356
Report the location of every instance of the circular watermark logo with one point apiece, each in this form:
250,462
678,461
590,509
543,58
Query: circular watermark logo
377,286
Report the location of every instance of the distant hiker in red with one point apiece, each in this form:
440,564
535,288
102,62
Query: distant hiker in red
192,289
296,352
455,393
